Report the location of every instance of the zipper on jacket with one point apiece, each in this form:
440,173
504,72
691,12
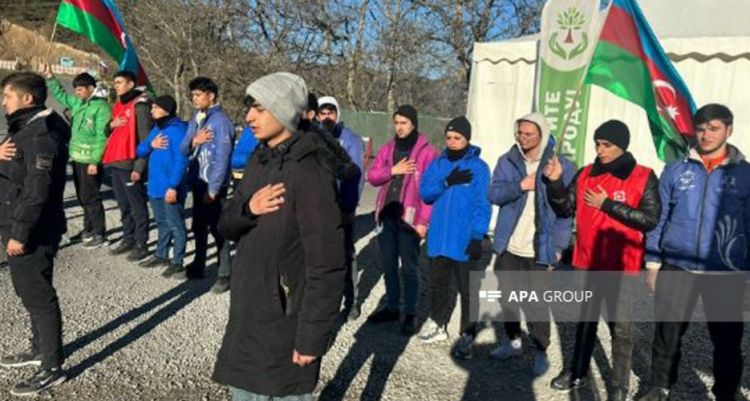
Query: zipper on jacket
700,219
447,214
286,302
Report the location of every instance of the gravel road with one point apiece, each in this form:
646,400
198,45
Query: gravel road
131,335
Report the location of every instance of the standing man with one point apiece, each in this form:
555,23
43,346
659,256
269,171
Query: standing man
289,271
615,202
131,124
701,243
455,185
32,221
402,216
167,186
91,117
349,192
528,235
208,143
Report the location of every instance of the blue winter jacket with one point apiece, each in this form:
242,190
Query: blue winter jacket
350,191
209,162
552,233
705,220
460,213
243,149
167,168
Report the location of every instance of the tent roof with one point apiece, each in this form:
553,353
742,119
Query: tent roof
696,29
698,18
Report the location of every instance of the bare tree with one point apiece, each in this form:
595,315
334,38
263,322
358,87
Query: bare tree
371,55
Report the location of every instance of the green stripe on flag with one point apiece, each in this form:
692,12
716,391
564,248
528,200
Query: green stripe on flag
87,25
621,73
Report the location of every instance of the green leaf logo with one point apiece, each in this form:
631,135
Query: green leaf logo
568,21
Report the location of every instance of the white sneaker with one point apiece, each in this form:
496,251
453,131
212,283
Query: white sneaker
428,327
432,333
507,350
541,364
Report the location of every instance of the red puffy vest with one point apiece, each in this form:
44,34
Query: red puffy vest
603,243
123,140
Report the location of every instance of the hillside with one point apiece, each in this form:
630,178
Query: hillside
31,48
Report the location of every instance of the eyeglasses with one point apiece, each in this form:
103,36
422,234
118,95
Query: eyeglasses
525,135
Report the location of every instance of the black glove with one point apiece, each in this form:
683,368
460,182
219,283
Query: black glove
457,177
474,250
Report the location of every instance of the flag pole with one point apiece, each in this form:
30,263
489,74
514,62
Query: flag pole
50,44
54,31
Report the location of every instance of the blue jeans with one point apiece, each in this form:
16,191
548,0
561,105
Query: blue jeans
170,222
398,240
243,395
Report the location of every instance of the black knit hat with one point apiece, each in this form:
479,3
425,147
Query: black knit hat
614,131
408,111
167,103
460,125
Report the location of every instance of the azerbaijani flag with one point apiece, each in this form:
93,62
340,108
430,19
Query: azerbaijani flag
101,23
629,62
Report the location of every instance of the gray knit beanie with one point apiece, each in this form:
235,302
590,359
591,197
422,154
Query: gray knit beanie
283,94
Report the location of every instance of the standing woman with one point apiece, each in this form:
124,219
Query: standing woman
456,185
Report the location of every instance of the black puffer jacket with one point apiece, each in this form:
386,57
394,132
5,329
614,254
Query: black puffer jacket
288,275
32,184
643,218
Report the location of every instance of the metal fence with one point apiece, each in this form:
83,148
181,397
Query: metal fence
378,126
8,65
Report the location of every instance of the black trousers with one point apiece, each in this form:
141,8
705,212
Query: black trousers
676,295
539,330
352,276
131,199
442,271
205,219
620,328
31,275
89,196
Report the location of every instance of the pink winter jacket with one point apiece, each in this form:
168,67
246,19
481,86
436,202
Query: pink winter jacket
416,212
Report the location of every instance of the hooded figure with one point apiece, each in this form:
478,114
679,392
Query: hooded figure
349,190
529,237
526,224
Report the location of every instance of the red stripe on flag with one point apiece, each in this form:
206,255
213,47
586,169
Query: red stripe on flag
620,30
99,11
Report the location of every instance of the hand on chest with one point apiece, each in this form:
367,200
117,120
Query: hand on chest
613,188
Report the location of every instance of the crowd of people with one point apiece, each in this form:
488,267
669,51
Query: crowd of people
286,190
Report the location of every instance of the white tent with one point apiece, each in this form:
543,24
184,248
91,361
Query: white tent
709,42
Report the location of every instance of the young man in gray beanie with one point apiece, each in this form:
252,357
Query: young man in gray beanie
288,275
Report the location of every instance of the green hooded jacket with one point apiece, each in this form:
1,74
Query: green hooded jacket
90,125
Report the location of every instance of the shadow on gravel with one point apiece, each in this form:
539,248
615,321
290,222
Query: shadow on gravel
168,305
363,225
383,343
